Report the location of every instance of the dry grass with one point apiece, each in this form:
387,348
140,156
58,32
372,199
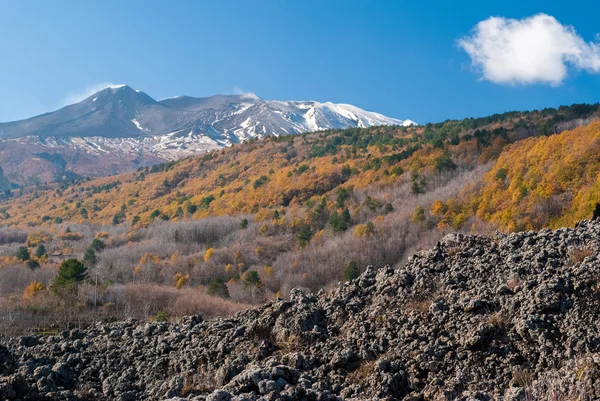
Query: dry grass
521,377
420,306
151,298
498,319
362,373
577,254
201,383
453,251
570,384
289,344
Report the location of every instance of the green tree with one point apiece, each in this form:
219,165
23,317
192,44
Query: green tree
118,218
23,253
251,278
417,184
351,271
217,287
89,257
40,251
97,244
206,201
305,234
33,264
339,223
70,272
190,208
444,162
244,223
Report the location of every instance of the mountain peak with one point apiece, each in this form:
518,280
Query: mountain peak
119,111
251,95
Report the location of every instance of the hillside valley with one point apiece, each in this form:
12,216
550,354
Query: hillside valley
216,235
237,226
423,226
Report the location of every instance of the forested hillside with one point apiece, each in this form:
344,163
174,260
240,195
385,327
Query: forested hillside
538,182
253,221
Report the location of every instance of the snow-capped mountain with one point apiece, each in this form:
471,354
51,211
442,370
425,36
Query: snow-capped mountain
129,128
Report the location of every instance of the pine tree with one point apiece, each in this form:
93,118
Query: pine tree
40,251
217,287
305,234
70,272
251,278
334,221
23,253
346,217
351,271
89,258
97,244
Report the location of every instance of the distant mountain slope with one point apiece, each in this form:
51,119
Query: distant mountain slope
122,112
262,176
119,129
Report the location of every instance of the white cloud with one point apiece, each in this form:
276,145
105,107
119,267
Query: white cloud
76,97
538,49
238,91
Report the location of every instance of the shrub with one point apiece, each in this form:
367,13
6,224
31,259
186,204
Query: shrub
364,230
69,236
162,316
208,254
33,264
32,290
181,280
36,238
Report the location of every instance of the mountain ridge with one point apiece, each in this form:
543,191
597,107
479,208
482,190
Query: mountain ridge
119,129
124,102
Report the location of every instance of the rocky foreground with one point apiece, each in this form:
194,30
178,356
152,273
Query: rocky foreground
513,317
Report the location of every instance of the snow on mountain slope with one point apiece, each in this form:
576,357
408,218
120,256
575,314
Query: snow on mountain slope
126,124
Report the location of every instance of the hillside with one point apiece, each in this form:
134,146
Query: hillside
509,317
249,223
289,170
538,182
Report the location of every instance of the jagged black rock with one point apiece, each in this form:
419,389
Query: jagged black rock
475,318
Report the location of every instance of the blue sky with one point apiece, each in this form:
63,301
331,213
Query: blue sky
400,58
